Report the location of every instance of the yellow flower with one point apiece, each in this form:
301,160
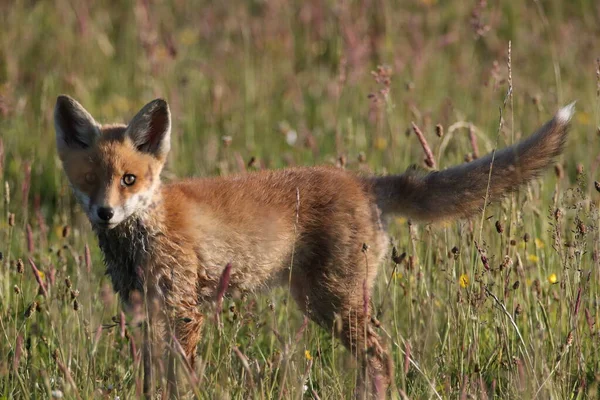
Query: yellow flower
463,280
583,118
307,355
381,143
533,258
397,276
445,224
400,220
187,37
42,275
552,278
538,243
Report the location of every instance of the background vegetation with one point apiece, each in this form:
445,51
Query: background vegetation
505,305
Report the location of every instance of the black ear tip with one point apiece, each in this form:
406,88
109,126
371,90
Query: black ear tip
161,103
63,100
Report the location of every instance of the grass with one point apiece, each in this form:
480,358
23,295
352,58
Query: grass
504,305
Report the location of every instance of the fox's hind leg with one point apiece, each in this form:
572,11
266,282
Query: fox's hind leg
340,304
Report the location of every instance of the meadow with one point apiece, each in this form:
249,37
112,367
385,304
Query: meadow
503,305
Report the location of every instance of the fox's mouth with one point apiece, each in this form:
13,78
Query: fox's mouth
105,225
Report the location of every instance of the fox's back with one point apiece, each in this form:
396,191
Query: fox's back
269,220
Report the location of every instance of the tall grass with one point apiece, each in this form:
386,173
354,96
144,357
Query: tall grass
503,305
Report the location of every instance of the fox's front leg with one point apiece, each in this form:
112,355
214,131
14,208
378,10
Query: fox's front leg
186,325
147,363
153,330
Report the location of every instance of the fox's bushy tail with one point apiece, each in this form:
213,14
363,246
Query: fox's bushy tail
461,191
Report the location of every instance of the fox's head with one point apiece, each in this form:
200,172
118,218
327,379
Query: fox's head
114,170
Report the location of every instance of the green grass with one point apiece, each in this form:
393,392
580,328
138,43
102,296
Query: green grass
255,71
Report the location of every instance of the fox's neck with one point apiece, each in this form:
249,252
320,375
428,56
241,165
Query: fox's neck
127,246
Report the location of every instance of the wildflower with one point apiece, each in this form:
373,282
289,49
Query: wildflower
552,278
400,220
307,355
397,276
584,118
463,280
533,258
291,136
538,243
381,143
227,140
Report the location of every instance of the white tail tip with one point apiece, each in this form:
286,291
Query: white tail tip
565,114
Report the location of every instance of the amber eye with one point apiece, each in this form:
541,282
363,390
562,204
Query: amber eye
128,179
90,177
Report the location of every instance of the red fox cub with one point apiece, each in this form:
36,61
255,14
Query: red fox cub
302,226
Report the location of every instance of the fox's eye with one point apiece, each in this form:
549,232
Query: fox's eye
128,179
90,177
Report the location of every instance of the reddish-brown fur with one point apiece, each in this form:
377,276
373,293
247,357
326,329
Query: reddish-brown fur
317,229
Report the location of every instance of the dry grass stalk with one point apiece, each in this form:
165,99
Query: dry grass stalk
38,278
429,159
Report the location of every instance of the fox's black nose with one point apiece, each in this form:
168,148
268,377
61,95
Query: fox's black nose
105,213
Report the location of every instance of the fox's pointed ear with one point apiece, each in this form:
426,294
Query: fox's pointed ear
150,129
75,127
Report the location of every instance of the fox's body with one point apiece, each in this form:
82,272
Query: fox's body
306,227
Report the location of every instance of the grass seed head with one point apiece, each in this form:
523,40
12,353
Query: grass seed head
20,266
31,309
397,258
499,227
518,309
